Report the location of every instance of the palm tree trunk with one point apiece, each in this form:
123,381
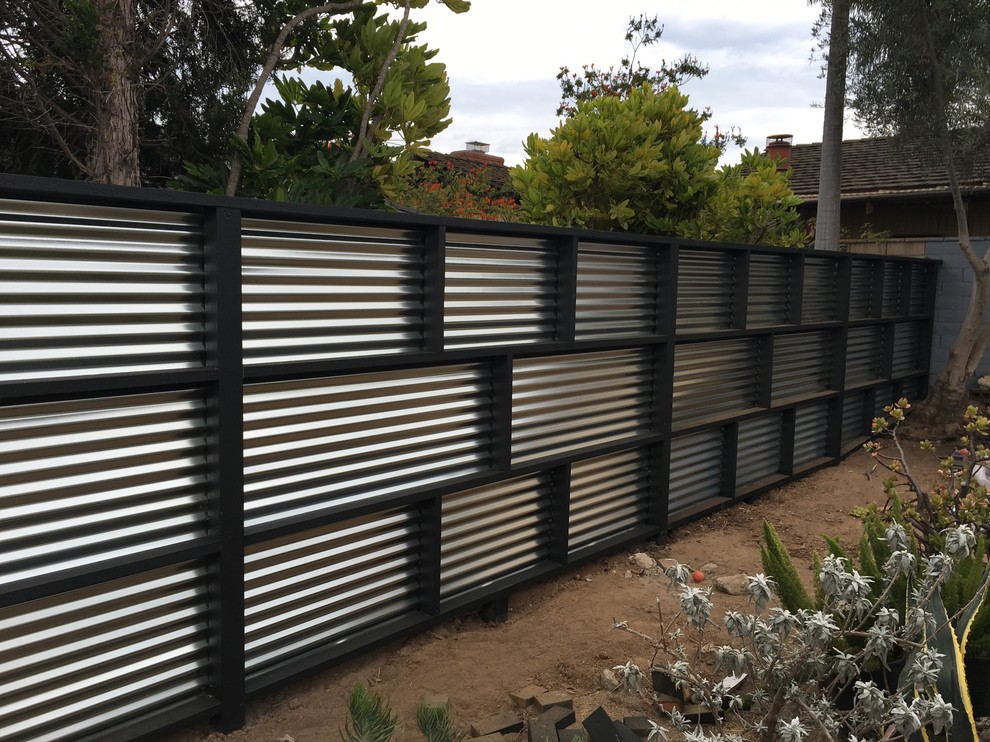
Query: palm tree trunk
827,224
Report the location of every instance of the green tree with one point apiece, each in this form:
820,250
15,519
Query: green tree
640,163
753,204
124,91
119,91
335,144
322,55
592,82
918,71
635,163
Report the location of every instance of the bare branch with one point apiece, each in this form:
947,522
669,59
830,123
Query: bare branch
266,71
380,83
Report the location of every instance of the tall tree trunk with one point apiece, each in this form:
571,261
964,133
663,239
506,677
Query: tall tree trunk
827,223
114,154
940,412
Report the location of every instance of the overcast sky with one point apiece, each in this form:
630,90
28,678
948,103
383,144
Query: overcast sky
503,55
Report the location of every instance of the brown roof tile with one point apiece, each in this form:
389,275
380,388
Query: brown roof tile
492,170
876,167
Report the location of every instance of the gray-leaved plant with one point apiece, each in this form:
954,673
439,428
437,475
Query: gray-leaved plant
806,670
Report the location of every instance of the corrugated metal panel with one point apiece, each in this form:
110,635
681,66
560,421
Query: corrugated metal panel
313,444
907,347
853,410
863,303
914,390
617,291
821,290
313,291
695,470
563,403
770,290
98,290
77,662
609,495
864,349
705,290
882,396
88,480
810,433
919,289
895,284
758,449
319,587
802,364
493,531
499,290
714,379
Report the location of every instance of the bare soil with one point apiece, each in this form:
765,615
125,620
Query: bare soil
557,635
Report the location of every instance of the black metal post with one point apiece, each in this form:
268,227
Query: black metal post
222,263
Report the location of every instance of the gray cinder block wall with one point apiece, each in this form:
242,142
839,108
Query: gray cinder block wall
955,281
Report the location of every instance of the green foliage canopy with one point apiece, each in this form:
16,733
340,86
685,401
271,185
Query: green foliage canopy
302,146
639,163
633,163
752,204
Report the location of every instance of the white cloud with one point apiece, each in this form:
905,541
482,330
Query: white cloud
503,55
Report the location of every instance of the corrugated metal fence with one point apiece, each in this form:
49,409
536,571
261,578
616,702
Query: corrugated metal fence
242,440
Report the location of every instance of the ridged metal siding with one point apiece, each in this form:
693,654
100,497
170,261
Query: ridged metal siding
863,303
770,290
695,470
802,364
89,480
500,292
895,285
80,661
609,495
810,433
883,396
319,587
714,379
907,347
853,413
563,403
312,444
617,293
758,449
705,290
493,531
315,291
98,290
863,355
821,290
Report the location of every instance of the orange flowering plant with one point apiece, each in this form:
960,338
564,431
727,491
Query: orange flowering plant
448,191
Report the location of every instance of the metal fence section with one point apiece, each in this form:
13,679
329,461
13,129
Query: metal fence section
240,441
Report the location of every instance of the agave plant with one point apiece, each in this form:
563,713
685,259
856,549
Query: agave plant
369,718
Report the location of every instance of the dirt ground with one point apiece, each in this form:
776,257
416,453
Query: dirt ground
557,635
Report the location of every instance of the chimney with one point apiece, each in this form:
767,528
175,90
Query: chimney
479,151
779,149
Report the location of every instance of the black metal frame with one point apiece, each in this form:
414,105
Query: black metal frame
224,374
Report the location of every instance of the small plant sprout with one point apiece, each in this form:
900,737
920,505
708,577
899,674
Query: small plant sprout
630,675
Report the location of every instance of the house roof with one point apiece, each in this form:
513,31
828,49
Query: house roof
878,167
489,167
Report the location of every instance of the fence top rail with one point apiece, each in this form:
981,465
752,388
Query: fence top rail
26,187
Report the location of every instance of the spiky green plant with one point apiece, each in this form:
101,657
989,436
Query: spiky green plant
436,725
779,565
370,719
